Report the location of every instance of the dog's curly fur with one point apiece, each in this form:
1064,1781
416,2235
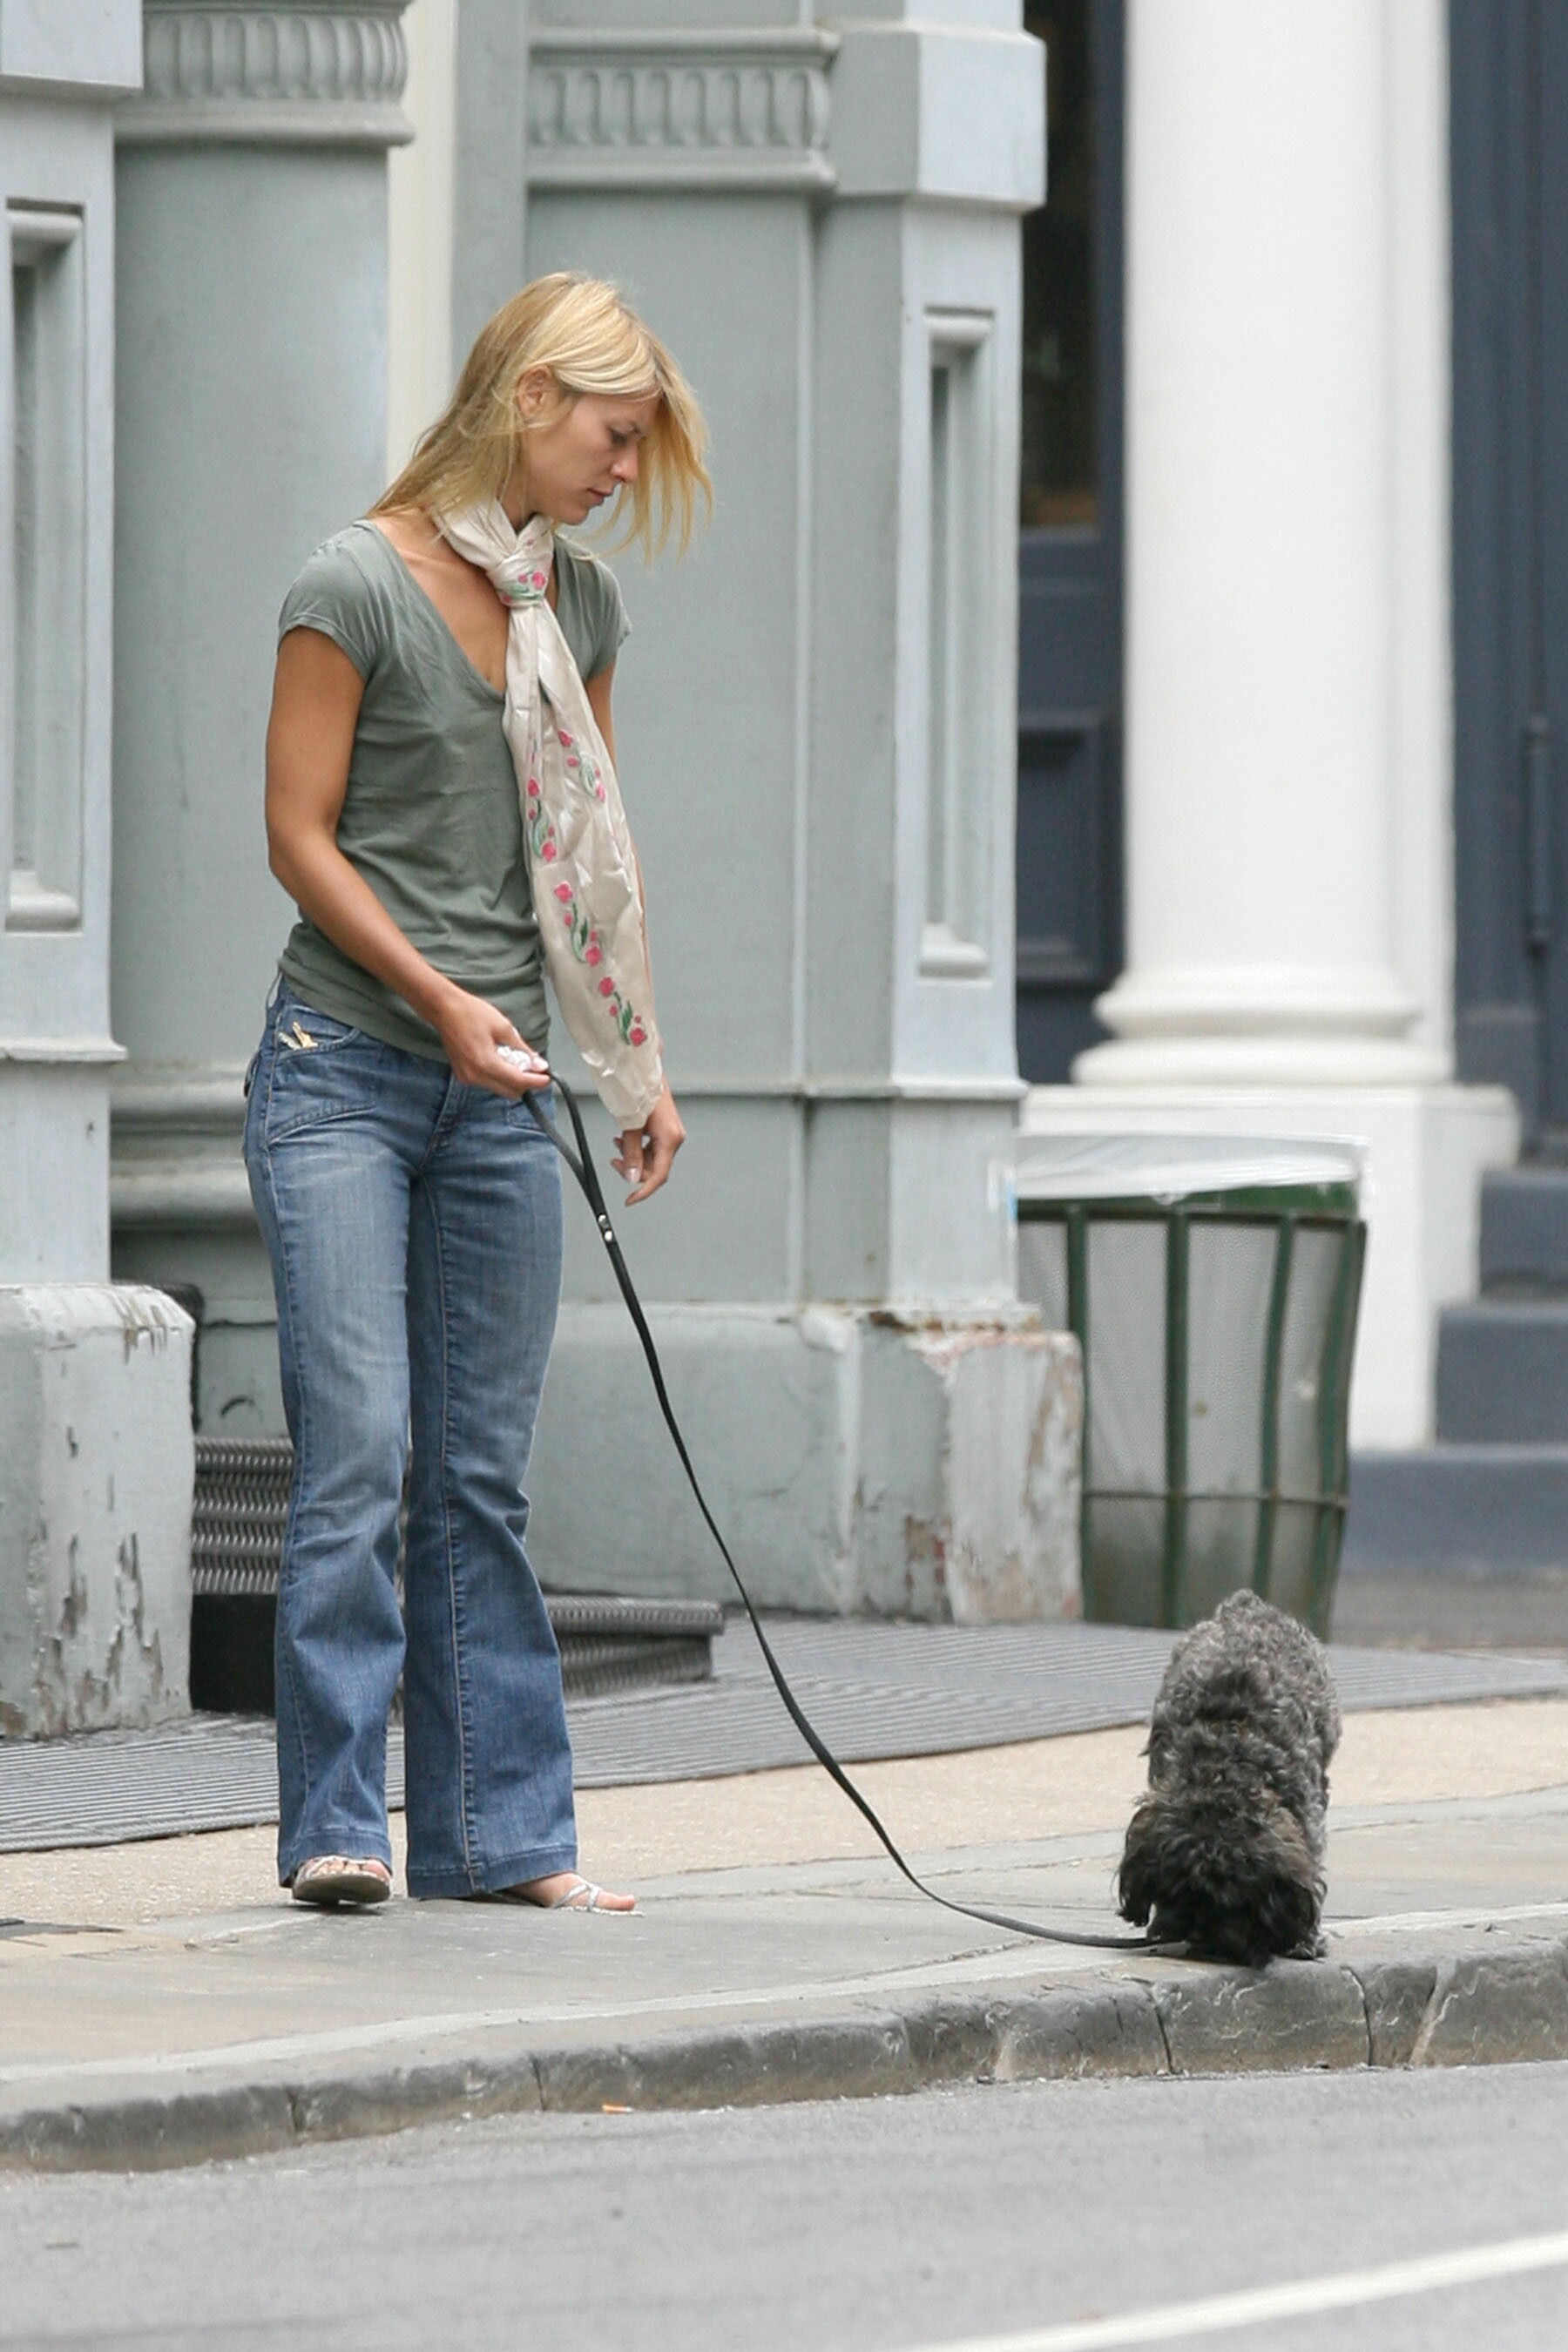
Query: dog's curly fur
1224,1853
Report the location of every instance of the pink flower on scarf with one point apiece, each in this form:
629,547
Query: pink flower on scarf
638,1035
593,955
563,736
606,987
548,852
563,891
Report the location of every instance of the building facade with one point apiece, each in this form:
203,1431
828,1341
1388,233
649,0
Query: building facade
95,1432
1137,669
815,716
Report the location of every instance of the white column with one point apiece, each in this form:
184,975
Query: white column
1261,557
1289,783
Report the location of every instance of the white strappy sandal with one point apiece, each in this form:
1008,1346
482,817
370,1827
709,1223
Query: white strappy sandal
580,1896
330,1879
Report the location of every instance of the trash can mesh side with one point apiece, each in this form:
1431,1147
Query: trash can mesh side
1043,1269
1216,1334
1230,1278
1124,1356
1314,1278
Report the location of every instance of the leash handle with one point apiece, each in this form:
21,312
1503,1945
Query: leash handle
580,1162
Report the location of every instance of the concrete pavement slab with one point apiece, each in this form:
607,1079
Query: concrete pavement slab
162,2003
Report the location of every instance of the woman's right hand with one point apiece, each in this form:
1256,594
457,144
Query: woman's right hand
472,1031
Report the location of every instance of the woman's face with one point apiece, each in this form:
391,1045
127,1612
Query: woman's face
578,463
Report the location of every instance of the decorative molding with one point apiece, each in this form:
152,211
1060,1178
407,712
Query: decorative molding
175,1160
60,1049
154,1098
938,1090
680,109
176,1136
317,73
181,1194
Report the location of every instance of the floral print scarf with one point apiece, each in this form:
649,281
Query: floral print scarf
579,856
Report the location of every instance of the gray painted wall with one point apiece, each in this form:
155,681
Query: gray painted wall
251,411
816,717
823,221
95,1438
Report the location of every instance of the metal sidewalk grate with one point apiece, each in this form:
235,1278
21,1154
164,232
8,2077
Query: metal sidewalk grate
874,1691
238,1512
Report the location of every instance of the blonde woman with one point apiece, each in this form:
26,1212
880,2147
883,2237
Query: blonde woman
410,1204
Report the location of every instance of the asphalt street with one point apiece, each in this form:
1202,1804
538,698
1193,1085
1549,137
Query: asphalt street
1043,2215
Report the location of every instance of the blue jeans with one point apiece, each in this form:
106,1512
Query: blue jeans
414,1226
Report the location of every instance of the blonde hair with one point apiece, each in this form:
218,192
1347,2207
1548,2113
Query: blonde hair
591,340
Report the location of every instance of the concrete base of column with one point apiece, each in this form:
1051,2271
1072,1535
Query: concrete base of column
1259,1027
857,1459
1427,1147
95,1472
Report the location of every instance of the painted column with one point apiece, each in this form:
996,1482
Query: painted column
1261,536
1288,683
251,410
95,1440
816,717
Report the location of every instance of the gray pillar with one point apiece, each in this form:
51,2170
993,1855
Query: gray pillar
95,1440
251,416
816,724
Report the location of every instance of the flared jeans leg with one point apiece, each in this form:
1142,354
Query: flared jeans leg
490,1763
413,1227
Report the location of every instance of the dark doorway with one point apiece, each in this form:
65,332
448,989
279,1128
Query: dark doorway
1509,174
1069,862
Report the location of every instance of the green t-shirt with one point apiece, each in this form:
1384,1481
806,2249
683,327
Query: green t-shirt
431,817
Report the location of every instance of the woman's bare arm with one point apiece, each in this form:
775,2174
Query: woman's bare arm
315,705
598,690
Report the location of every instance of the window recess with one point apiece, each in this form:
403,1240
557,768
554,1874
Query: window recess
43,447
957,864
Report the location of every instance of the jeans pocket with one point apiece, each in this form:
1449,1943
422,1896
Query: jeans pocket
304,1029
322,1074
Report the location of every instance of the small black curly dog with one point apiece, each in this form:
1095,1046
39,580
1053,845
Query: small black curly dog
1224,1853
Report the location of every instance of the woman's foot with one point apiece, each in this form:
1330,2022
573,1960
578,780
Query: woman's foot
329,1879
563,1890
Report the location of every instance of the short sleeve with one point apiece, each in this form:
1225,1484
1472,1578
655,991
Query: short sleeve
333,595
597,626
614,626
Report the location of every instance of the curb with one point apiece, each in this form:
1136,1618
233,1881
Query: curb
1497,2007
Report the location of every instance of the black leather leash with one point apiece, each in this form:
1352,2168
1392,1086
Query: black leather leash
581,1166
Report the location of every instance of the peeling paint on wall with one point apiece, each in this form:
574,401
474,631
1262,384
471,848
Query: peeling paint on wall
96,1465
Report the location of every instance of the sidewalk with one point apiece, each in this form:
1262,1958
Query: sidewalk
163,2003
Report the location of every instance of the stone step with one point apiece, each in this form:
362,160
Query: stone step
1458,1511
1524,1229
1502,1372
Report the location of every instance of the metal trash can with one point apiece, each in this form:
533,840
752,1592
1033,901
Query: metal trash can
1213,1282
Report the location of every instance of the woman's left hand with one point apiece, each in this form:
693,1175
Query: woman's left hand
645,1154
